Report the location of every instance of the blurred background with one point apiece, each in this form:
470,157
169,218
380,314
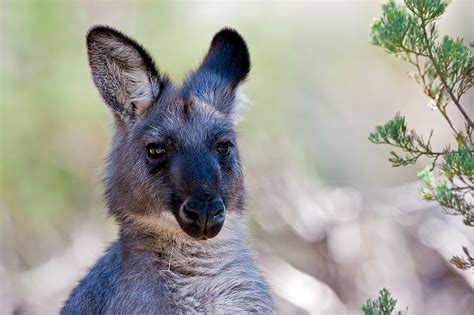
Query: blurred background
330,220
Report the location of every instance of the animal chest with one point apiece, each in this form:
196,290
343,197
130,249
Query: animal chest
210,294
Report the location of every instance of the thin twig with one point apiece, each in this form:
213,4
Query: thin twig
443,80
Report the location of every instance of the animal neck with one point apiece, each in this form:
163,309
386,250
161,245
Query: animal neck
175,251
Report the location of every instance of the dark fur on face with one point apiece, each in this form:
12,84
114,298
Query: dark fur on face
175,148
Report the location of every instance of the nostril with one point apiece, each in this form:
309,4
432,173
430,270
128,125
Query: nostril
190,214
219,213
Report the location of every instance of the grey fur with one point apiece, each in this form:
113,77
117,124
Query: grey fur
156,266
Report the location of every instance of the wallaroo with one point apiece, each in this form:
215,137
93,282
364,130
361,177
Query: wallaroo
174,185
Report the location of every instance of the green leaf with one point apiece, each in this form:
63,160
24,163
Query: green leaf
384,305
459,163
395,30
427,10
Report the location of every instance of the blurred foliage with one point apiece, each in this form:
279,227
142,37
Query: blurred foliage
39,182
383,305
445,70
54,128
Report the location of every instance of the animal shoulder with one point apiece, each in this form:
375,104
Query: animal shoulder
156,283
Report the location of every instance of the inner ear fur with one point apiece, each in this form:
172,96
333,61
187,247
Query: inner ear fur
123,72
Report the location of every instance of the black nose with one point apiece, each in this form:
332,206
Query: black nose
202,218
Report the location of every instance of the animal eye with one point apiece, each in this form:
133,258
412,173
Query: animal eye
155,150
224,147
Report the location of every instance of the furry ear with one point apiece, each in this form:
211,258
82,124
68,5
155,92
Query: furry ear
223,69
123,72
228,57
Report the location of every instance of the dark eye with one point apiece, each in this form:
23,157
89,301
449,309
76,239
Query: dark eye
224,147
155,150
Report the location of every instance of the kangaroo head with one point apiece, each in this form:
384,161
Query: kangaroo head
174,155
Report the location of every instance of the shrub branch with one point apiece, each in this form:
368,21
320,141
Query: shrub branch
444,67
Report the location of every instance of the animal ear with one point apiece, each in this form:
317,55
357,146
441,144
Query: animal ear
228,57
123,72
